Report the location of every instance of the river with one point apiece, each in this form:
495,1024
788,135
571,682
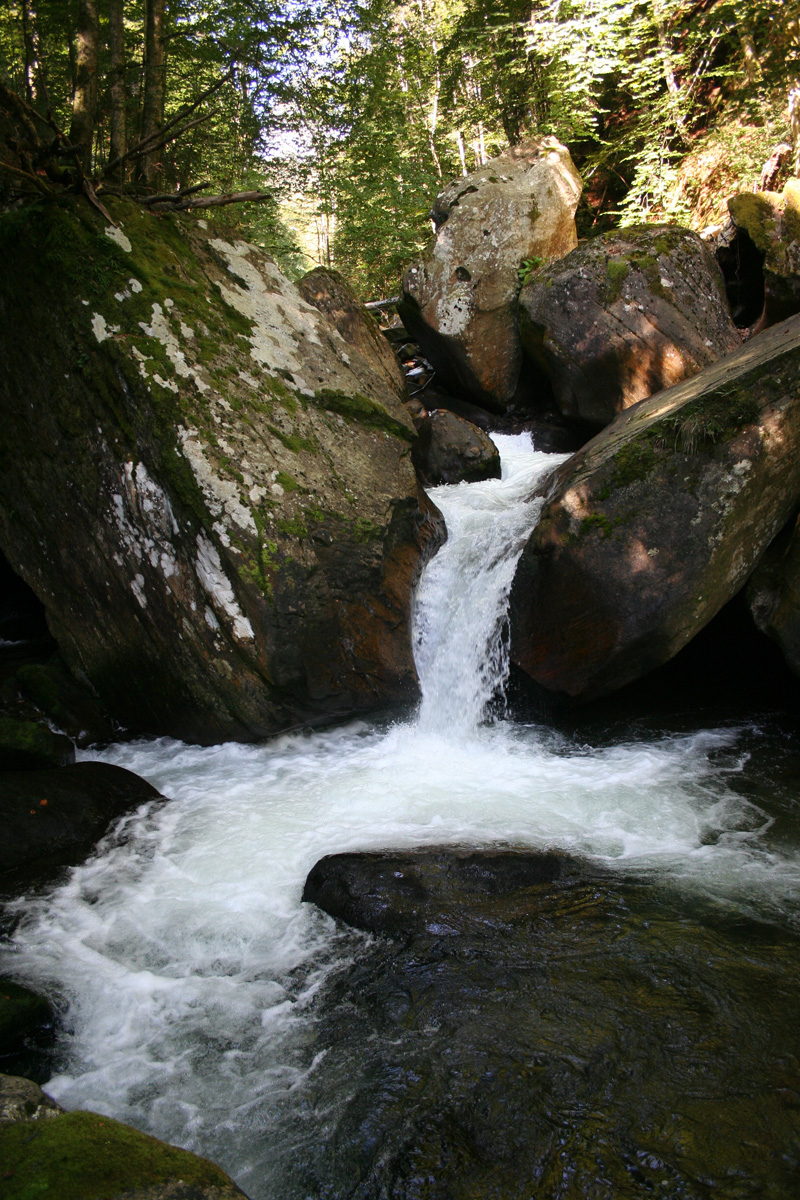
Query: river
191,976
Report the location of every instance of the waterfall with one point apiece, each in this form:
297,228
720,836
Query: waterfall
460,607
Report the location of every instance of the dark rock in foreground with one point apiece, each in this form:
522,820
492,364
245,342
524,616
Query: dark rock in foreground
625,315
442,890
86,1156
53,819
599,1036
23,1014
651,528
451,450
773,594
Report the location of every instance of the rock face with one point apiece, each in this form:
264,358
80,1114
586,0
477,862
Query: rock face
27,745
333,296
773,595
450,449
772,223
209,489
623,316
459,301
659,520
53,819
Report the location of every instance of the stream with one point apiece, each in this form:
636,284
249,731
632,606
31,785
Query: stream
640,1037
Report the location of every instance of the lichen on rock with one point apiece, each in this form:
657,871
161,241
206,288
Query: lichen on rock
173,379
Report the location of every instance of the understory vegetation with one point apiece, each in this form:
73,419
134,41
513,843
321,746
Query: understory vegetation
343,120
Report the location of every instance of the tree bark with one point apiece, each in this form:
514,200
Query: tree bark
154,64
84,97
116,44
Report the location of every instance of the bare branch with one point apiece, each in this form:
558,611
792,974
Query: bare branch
175,197
219,201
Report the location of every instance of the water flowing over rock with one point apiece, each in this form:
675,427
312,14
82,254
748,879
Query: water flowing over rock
623,316
459,301
208,487
771,221
659,520
450,449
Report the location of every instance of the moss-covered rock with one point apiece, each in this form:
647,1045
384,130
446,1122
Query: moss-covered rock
86,1156
23,1014
659,520
158,384
459,300
27,745
772,222
623,316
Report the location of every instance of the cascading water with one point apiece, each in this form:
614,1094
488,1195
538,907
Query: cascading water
188,966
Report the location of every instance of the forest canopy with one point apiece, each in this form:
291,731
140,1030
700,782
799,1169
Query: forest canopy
348,117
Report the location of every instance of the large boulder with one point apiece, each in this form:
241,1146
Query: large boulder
450,449
771,222
209,489
659,520
459,300
773,594
623,316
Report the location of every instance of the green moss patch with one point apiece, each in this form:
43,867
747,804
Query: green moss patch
85,1156
617,271
365,411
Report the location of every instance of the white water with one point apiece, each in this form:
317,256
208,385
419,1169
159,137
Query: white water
182,949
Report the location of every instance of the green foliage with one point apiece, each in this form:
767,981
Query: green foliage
528,268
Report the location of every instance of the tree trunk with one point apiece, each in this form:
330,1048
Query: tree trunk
154,62
84,97
27,37
116,43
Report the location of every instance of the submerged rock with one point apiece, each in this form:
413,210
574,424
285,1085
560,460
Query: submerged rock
623,316
771,221
23,1014
659,520
53,819
209,489
459,301
86,1156
450,449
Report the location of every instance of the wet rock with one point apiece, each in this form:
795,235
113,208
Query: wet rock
27,745
329,292
556,1051
57,694
441,890
623,316
657,522
23,1100
53,819
450,450
244,523
773,594
86,1156
459,301
771,222
23,1014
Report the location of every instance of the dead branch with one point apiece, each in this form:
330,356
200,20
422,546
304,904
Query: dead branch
390,303
175,197
91,196
219,201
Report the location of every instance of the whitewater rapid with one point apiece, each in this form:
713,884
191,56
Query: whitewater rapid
185,961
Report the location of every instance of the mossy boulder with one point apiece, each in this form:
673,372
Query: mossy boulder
53,818
459,300
450,449
772,222
191,456
659,520
28,745
773,594
53,691
23,1014
623,316
86,1156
